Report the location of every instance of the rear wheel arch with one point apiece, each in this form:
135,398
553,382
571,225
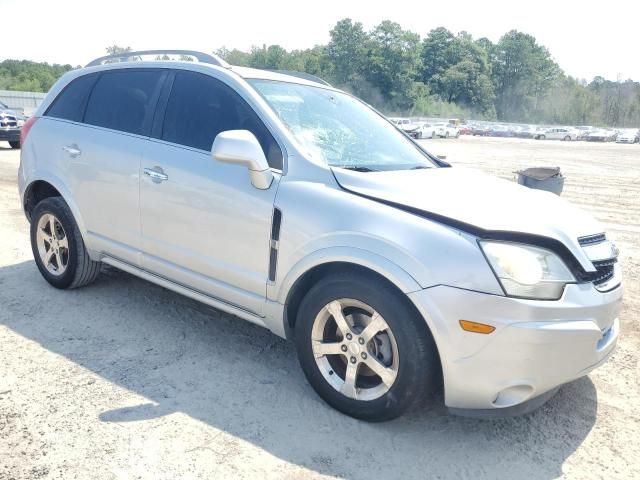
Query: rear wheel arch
37,191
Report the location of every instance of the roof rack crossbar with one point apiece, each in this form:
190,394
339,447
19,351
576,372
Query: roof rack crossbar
127,56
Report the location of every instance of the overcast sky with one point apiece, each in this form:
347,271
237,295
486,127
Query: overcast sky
586,38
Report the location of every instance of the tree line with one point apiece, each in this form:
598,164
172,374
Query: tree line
442,74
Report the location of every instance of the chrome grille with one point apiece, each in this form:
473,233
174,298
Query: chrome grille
603,255
8,121
591,239
604,271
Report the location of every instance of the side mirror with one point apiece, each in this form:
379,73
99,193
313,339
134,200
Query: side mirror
241,147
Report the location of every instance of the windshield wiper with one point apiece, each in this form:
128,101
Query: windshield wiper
420,167
357,168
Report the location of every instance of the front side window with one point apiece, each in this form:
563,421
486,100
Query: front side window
124,100
200,107
340,130
70,103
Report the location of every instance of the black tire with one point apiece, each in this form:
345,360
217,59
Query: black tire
80,270
567,138
433,134
15,145
541,137
418,367
418,135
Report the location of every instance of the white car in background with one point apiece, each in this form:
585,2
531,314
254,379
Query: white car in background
447,130
425,130
558,133
628,136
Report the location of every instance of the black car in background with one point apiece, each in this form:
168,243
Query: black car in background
10,126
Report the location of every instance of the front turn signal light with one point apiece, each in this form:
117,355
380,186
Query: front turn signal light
476,327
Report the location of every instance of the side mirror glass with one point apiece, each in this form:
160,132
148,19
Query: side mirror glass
241,147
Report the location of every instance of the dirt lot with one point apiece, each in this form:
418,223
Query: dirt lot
124,379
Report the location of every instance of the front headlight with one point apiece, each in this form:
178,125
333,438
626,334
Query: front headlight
526,271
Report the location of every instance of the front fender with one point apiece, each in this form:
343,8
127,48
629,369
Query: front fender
399,277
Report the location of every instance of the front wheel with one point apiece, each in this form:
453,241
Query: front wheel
363,348
567,138
15,144
419,135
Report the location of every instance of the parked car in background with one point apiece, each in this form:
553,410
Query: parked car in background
558,133
410,128
526,131
499,131
400,121
447,130
10,126
583,130
466,129
601,135
480,130
629,136
425,130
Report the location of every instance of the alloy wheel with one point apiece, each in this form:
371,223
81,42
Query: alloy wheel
53,244
354,349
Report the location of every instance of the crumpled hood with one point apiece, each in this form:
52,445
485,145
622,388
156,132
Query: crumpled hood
477,199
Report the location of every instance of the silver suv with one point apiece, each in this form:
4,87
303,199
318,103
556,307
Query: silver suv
297,207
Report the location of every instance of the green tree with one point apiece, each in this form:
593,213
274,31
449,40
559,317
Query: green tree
523,73
347,51
393,57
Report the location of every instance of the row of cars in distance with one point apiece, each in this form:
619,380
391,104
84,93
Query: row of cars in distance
565,133
437,128
421,129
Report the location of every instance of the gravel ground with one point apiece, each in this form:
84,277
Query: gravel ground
124,379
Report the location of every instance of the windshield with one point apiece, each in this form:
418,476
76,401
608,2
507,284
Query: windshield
2,105
340,130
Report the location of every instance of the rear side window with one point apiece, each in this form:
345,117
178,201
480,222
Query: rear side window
70,103
200,107
124,100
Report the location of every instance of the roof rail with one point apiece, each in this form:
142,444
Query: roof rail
127,56
303,75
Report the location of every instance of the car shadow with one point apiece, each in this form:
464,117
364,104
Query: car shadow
185,357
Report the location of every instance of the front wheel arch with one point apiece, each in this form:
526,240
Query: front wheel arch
307,280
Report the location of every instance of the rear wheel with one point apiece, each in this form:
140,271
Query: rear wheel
418,135
15,144
364,350
541,137
567,138
58,248
433,134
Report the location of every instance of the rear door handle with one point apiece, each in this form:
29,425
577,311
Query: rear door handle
72,150
156,174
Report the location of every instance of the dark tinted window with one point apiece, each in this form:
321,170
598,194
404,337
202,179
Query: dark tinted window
200,107
124,100
70,103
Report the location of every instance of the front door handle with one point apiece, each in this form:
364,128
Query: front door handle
156,174
72,150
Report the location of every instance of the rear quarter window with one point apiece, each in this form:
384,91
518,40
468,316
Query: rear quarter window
124,100
71,102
